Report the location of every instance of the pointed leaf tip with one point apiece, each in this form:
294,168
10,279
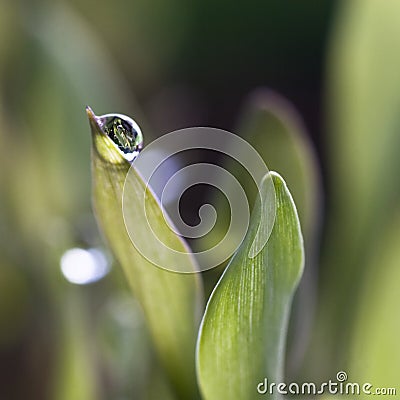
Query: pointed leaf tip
90,112
91,115
102,144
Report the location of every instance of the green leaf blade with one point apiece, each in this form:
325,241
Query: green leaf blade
170,301
242,337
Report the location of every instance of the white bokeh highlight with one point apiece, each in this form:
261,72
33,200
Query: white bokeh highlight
81,266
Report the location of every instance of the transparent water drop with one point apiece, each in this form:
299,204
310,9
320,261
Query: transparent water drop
124,132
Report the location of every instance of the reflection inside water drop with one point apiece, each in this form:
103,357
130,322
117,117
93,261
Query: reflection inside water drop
124,132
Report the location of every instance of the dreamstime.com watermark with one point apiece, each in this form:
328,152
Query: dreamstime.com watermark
339,386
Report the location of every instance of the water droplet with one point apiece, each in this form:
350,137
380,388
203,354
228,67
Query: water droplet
124,132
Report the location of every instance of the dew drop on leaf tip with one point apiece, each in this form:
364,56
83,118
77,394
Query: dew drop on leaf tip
124,132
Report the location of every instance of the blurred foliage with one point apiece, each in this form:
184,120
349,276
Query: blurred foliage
363,126
75,377
192,64
374,350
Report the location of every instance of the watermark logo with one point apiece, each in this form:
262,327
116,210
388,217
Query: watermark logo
158,157
338,386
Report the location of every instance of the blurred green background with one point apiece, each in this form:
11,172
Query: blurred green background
173,64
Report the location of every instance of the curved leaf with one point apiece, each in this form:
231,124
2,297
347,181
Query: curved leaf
243,332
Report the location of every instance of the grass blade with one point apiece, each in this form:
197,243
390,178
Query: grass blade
170,301
243,332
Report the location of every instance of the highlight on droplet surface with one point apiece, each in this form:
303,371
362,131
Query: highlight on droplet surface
81,266
124,132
